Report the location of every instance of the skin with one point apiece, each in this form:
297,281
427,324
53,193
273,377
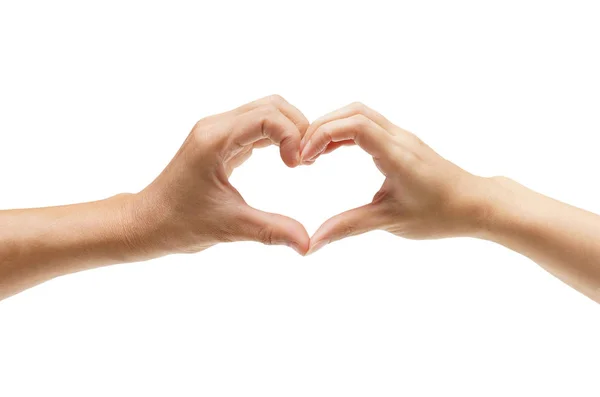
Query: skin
424,196
191,205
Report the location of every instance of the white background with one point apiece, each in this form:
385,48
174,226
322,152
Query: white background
96,97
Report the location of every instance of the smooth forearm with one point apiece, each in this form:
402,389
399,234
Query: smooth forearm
563,239
189,207
42,243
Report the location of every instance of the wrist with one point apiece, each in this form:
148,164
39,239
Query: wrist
153,227
143,227
496,203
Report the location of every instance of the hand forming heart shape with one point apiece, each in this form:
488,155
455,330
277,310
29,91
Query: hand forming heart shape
192,206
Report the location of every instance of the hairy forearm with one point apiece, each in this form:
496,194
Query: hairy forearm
42,243
564,240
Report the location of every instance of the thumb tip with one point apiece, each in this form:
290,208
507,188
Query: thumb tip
298,248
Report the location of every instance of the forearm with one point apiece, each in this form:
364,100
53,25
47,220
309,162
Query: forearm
42,243
189,207
563,239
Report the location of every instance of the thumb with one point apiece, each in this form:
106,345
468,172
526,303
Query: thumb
350,223
274,229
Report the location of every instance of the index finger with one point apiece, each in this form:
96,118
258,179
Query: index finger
286,108
353,109
367,134
267,122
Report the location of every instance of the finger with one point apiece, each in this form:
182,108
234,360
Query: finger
236,161
262,143
363,131
241,157
334,145
350,223
289,110
271,229
330,148
267,122
345,112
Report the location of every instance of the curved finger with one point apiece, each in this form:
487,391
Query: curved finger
267,122
289,110
345,112
363,131
262,143
335,145
244,154
236,161
350,223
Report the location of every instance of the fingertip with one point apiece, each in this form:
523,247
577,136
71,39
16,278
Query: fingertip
302,245
291,161
316,246
303,125
289,149
349,223
306,156
320,238
274,229
301,249
302,144
290,155
297,236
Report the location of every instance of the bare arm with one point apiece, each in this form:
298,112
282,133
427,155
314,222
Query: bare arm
189,207
426,196
565,240
42,243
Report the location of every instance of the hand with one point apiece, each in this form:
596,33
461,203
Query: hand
423,196
192,206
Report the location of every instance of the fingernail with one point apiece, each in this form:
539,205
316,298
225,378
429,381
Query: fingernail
316,247
302,143
306,148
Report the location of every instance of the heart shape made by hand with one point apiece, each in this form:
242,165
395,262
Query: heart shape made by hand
308,194
423,195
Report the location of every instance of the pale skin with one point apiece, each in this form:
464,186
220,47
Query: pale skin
191,205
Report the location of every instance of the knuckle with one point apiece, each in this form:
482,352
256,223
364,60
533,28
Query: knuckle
361,121
265,235
419,141
408,159
208,137
266,116
358,107
266,109
201,126
199,133
275,99
413,138
503,180
303,125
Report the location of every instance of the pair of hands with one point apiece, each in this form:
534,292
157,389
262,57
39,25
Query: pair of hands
192,206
